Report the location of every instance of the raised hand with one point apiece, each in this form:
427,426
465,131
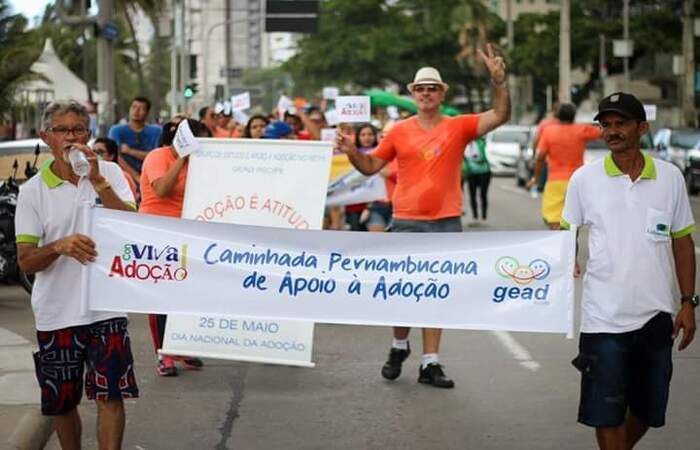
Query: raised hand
496,65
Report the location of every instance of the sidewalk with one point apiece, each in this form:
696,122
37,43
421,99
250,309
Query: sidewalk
21,423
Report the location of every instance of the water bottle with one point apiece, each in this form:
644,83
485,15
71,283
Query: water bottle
534,193
79,162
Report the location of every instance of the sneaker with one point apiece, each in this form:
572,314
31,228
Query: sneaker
166,367
190,363
434,375
392,367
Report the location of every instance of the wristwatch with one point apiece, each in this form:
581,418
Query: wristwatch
693,299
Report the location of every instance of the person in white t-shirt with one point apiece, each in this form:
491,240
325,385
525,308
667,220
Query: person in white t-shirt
640,223
73,342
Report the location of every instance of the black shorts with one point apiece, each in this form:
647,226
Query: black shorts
626,371
103,347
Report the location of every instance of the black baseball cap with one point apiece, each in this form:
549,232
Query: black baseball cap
625,104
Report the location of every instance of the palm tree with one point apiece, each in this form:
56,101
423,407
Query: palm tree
17,45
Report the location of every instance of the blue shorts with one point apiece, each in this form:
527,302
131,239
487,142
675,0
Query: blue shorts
103,347
623,372
379,214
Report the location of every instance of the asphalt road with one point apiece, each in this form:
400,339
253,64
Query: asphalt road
513,390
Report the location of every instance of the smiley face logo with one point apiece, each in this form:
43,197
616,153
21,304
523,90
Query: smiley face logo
509,267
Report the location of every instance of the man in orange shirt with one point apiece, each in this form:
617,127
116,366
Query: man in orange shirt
429,149
562,146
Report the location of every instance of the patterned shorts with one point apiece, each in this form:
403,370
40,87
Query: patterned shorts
103,347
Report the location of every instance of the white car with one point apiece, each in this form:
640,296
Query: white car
503,146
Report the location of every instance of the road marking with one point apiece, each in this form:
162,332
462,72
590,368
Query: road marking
516,190
518,352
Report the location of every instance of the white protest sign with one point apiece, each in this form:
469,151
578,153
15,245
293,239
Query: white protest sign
353,188
264,170
267,341
516,281
353,108
393,112
240,102
330,93
263,182
328,134
184,142
650,111
240,116
283,104
331,117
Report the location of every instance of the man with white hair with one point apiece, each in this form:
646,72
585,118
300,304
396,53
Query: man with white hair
73,344
429,148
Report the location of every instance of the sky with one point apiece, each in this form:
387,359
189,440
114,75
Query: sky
30,8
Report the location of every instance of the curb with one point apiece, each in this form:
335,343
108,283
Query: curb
32,432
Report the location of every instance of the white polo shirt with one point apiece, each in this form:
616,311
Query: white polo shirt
47,210
630,274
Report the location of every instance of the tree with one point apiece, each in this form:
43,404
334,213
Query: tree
369,43
17,46
654,27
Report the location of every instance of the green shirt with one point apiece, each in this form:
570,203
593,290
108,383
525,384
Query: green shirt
475,156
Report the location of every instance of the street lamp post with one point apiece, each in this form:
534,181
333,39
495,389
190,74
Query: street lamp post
205,55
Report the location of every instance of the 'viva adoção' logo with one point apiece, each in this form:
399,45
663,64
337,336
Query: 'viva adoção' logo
146,262
522,275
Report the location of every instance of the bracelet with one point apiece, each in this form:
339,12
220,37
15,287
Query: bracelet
104,184
503,82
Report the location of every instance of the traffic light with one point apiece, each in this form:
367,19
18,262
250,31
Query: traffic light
190,90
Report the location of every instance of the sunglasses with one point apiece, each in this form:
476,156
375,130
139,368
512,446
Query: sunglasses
426,88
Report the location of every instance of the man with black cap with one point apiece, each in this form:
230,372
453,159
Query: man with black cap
640,223
429,149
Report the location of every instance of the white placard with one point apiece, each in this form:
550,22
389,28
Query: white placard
264,172
328,134
331,117
353,188
516,281
240,116
283,104
240,102
184,142
330,93
267,341
393,112
650,111
353,108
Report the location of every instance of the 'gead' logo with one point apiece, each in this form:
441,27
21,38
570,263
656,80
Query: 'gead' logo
148,262
509,268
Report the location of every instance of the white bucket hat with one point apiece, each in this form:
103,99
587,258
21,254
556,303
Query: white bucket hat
427,75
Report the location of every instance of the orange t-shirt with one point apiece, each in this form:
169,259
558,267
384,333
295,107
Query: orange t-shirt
565,144
223,133
155,166
429,166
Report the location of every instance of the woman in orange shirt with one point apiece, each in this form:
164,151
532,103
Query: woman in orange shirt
163,179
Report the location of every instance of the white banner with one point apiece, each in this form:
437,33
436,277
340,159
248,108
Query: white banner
240,102
518,281
353,188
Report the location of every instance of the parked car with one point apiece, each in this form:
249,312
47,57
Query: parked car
595,149
692,173
504,145
673,145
